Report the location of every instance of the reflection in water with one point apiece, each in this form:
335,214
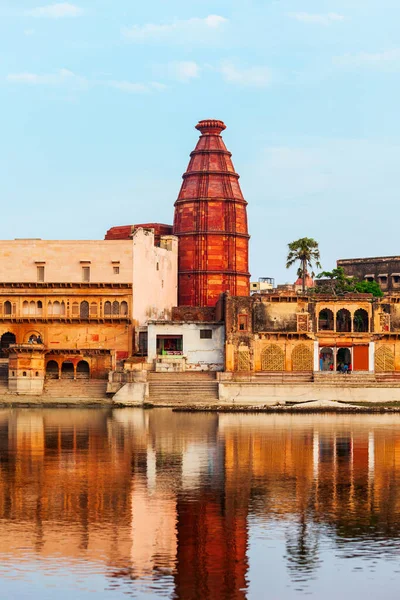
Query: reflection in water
197,506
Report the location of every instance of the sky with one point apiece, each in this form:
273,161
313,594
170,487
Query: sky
99,99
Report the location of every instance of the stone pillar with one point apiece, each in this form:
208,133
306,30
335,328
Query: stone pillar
316,356
371,357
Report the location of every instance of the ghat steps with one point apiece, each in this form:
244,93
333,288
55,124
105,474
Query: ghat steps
353,379
175,389
80,388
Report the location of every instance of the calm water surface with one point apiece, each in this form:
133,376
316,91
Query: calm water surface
155,504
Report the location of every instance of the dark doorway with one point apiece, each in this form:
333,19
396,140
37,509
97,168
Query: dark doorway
67,370
82,370
325,320
343,358
143,343
52,370
361,321
6,340
343,321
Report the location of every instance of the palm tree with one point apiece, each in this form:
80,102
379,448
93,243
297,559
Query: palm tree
306,251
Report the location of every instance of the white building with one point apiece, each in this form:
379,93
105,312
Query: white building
186,346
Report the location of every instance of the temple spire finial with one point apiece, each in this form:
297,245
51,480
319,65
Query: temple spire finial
211,127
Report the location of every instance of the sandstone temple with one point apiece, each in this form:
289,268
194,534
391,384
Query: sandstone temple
153,298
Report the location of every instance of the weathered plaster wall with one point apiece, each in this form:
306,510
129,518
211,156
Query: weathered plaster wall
155,276
198,351
275,316
62,260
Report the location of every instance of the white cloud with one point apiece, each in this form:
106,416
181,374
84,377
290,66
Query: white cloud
256,76
186,29
385,59
317,19
184,70
56,11
64,77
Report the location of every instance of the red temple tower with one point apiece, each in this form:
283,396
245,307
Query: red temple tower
211,224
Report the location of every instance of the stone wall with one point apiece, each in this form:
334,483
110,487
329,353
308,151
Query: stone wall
385,270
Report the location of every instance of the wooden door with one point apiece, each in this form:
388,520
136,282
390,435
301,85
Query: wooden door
361,358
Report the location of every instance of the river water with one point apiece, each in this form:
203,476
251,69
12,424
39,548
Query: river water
154,504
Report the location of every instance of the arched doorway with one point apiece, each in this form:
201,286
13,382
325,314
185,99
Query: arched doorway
52,370
325,320
343,357
82,370
343,321
361,321
5,341
67,370
326,359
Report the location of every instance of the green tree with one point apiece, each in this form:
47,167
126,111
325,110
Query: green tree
305,251
336,282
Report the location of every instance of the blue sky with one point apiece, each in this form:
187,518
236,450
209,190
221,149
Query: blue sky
99,99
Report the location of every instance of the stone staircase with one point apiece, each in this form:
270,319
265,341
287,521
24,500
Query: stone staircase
174,389
353,379
288,377
388,377
88,389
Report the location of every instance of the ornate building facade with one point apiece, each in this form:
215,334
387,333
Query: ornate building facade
73,309
286,332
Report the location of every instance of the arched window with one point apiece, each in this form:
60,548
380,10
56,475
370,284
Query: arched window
32,307
25,307
93,309
62,309
325,320
343,320
361,321
56,308
84,310
273,358
124,309
39,307
75,309
7,308
115,308
302,358
107,309
49,309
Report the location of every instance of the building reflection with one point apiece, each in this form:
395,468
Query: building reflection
154,494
